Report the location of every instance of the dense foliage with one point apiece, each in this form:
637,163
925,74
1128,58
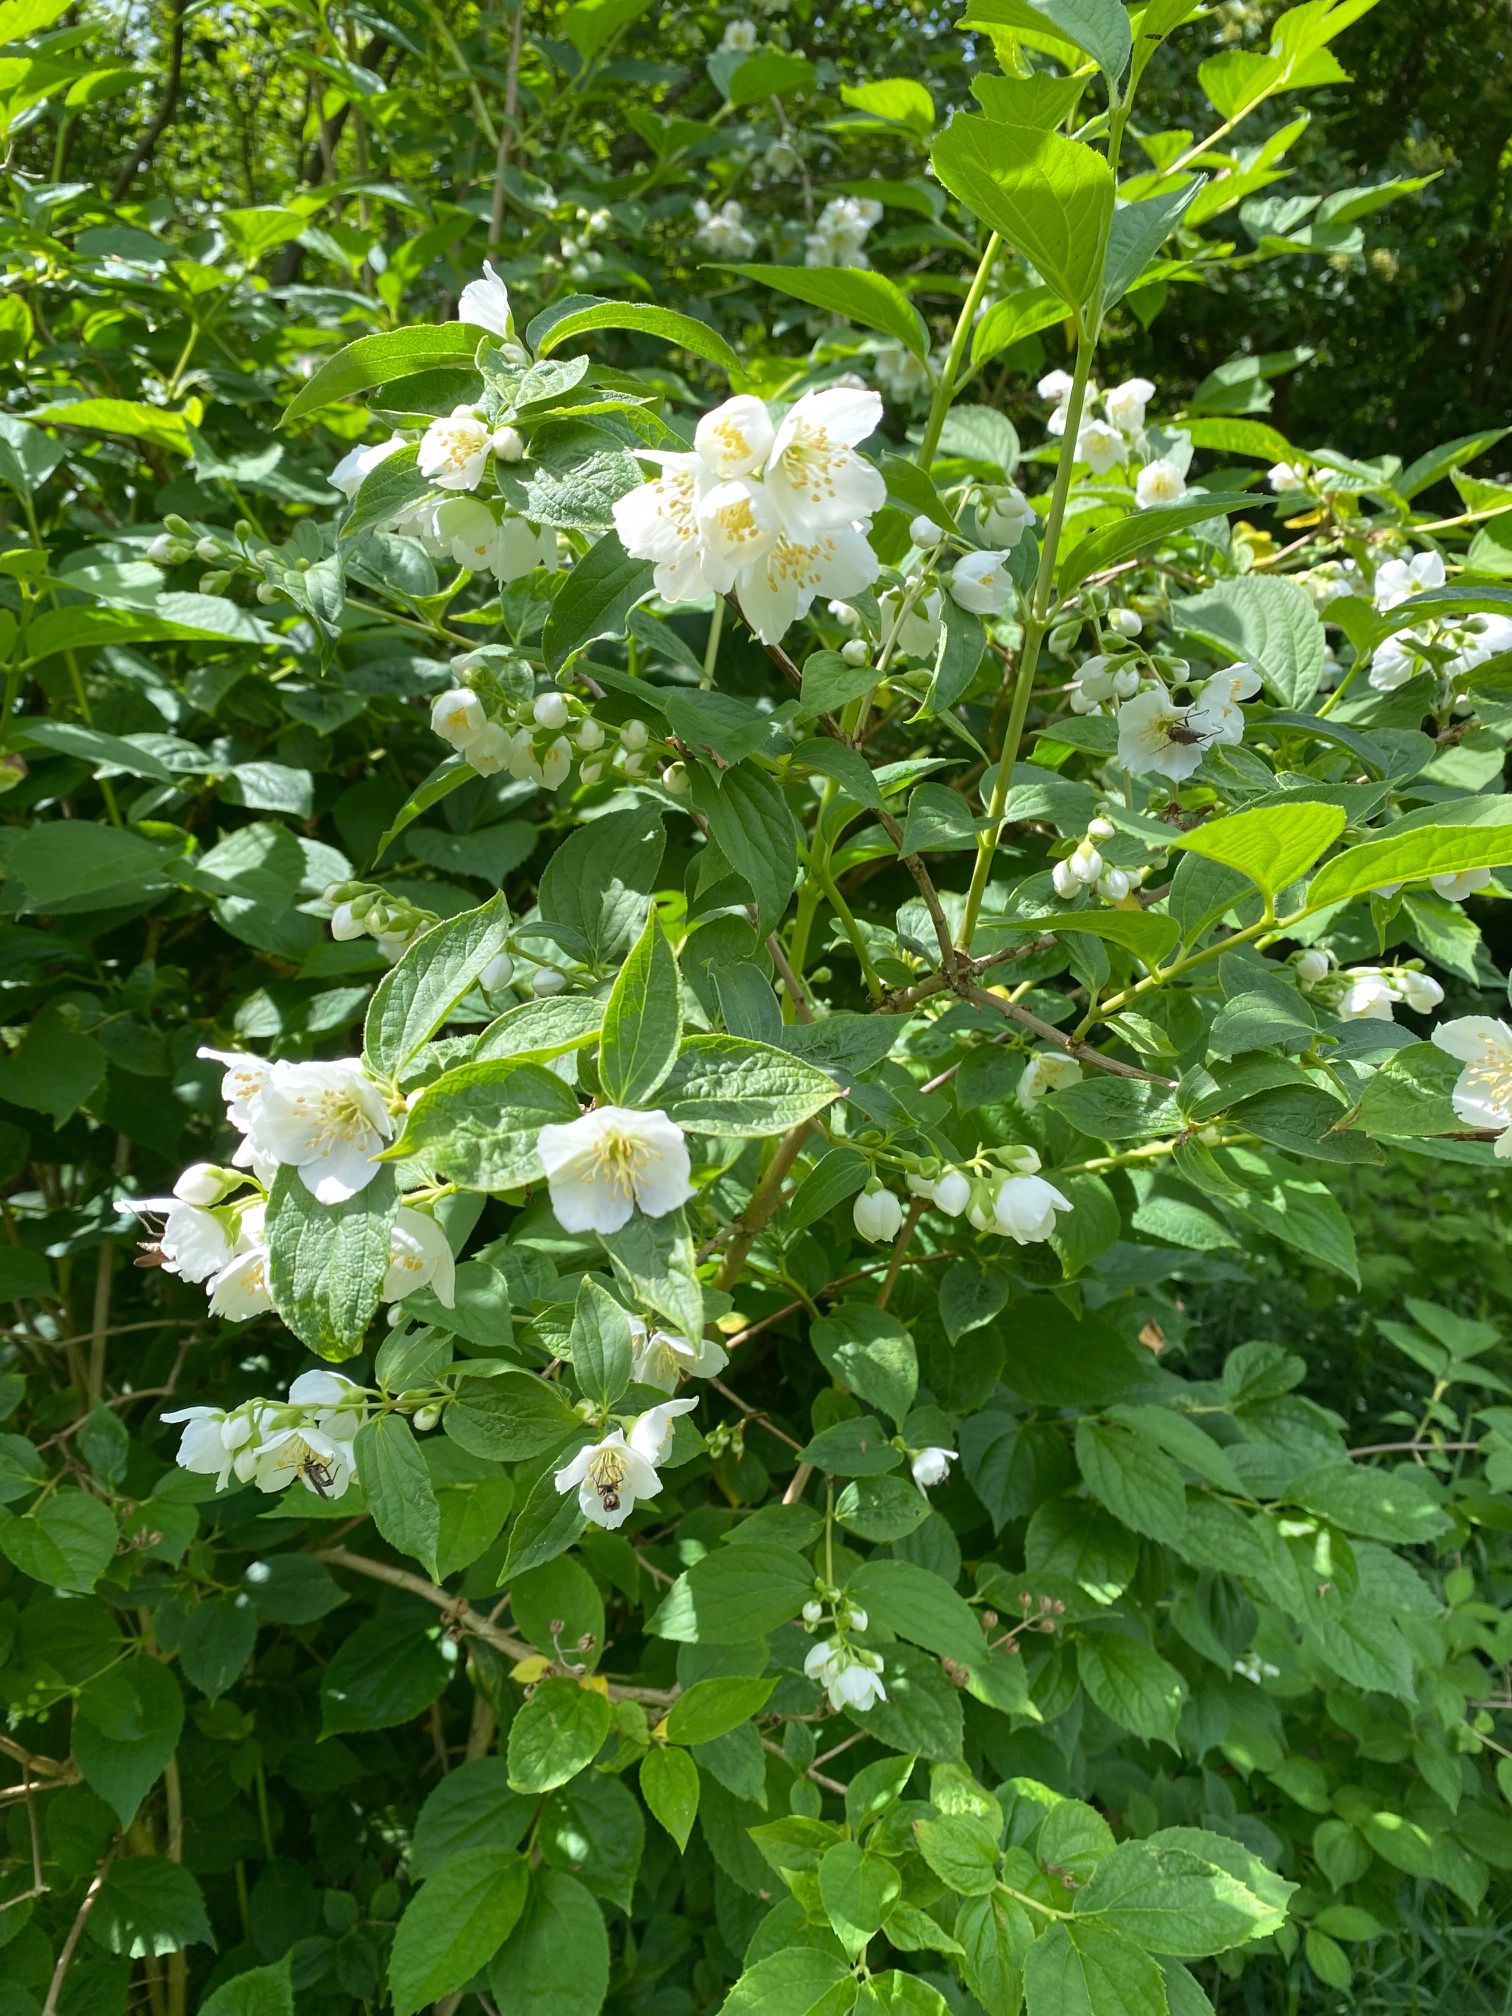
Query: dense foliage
755,1080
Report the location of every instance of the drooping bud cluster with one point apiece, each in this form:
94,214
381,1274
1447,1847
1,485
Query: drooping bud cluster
364,910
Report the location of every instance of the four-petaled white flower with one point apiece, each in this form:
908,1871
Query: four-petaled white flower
1159,482
784,583
612,1161
1482,1096
1397,580
458,717
658,521
420,1256
1024,1208
850,1677
610,1475
194,1242
322,1462
1046,1071
932,1466
1125,404
328,1121
485,304
917,634
211,1439
507,547
1368,995
453,451
1155,734
1100,446
981,583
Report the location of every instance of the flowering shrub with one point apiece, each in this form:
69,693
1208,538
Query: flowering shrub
833,966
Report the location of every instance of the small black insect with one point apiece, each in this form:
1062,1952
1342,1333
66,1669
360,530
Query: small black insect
610,1498
318,1476
1187,738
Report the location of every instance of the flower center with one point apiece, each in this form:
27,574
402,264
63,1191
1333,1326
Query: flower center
618,1160
811,461
334,1119
606,1473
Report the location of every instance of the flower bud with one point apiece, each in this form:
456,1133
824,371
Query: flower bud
925,533
952,1193
508,444
1100,828
551,711
1114,885
556,764
546,980
878,1215
1066,880
812,1611
1311,966
591,771
675,778
497,974
212,584
425,1417
1127,622
202,1183
180,527
266,592
346,924
208,548
589,735
855,651
634,735
1086,863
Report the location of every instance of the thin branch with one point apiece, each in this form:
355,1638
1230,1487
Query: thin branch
143,151
76,1931
1048,1033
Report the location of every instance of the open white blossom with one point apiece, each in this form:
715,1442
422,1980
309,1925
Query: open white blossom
1100,446
611,1162
658,521
1024,1208
211,1440
240,1290
420,1256
849,1676
814,473
507,547
1368,995
1046,1071
1157,735
932,1466
1482,1096
453,451
611,1475
1282,476
1397,659
1125,404
1397,580
736,438
458,717
738,524
784,583
661,1357
740,36
485,304
323,1463
1159,482
193,1242
1055,387
1455,888
328,1121
981,583
359,463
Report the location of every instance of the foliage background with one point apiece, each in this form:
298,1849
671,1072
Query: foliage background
324,171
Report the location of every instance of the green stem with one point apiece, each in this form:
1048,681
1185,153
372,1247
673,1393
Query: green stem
1035,626
944,390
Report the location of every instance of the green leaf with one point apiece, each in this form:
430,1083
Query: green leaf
66,1543
1267,621
656,1262
556,1961
727,1086
802,1981
962,1851
754,830
859,295
1099,28
383,360
1171,1898
546,1525
642,1022
385,1673
709,1708
148,1906
1398,1505
326,1262
996,1934
669,1786
1137,1481
261,1991
1139,230
1272,844
1084,1968
1022,313
509,1418
557,1733
1142,532
123,1738
217,1642
1050,197
598,883
734,1595
414,998
857,1890
868,1350
579,314
601,1345
920,1606
454,1924
478,1125
1408,857
398,1486
594,600
1132,1685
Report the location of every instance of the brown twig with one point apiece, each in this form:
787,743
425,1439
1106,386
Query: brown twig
76,1931
1048,1033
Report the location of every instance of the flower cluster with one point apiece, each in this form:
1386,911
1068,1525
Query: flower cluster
777,514
536,739
840,234
723,232
1019,1204
1117,437
1449,650
1085,868
311,1435
360,910
1365,993
850,1675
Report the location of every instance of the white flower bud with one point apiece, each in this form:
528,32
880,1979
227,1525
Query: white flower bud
1086,863
497,974
546,980
591,771
488,751
425,1417
556,764
508,443
1100,828
551,711
812,1611
1126,683
346,924
589,735
1066,880
1126,622
925,533
1114,885
855,651
266,592
201,1183
635,763
952,1193
634,735
856,1618
208,549
675,778
878,1215
1311,966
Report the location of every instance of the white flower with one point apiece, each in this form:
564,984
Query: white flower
877,1215
1055,387
1481,638
659,521
839,236
1419,991
1153,736
1125,404
1100,446
816,478
851,1678
738,522
610,1162
1286,476
242,1083
489,750
1397,580
1368,995
193,1242
453,451
739,35
981,583
1311,966
326,1120
1483,1095
951,1193
323,1463
1398,659
723,232
1006,517
918,635
662,1357
781,586
1218,714
1457,887
900,372
609,1476
1046,1071
736,438
650,1434
485,304
359,463
1159,482
1024,1208
419,1257
508,547
932,1466
457,716
210,1440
